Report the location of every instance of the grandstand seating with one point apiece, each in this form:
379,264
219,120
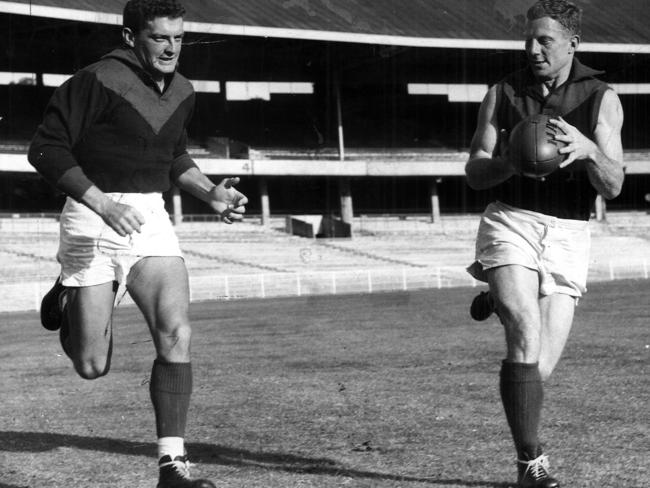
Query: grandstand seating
247,259
28,256
28,246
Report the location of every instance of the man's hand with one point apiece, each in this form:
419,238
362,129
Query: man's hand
123,219
578,145
226,201
504,146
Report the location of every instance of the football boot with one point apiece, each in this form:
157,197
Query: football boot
482,306
52,306
175,473
534,473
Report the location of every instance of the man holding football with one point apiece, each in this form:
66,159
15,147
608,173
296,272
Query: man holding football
113,138
532,245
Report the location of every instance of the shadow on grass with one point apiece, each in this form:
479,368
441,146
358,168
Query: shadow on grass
214,454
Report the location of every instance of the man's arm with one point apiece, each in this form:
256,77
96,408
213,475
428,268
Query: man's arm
123,219
483,170
73,108
223,198
604,155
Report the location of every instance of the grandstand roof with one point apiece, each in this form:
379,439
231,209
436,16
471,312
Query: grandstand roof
474,24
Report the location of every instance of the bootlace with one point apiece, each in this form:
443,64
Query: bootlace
537,468
181,467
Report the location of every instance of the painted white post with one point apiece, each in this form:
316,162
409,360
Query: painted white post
611,271
226,287
601,208
298,285
435,199
439,277
266,206
262,288
333,282
369,282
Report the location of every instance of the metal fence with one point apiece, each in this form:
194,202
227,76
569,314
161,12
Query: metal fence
26,296
622,252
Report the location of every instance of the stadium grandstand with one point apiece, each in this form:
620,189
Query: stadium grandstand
343,108
359,110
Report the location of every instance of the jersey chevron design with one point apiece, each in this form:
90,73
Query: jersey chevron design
137,88
112,122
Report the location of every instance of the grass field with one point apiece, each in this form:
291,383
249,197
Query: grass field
384,390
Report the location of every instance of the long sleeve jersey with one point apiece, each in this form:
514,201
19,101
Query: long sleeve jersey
110,126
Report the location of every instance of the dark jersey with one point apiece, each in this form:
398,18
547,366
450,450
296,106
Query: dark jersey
109,125
566,193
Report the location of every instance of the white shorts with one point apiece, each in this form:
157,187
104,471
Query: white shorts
558,249
91,253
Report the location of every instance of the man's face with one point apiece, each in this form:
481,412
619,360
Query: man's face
549,48
157,45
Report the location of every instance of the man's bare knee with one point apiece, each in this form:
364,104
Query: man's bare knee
174,341
93,368
522,326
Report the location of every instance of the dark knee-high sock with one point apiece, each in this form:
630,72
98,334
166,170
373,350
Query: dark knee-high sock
170,389
522,394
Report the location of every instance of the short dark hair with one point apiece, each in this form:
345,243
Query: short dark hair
138,12
568,14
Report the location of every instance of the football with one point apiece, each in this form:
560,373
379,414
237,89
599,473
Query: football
533,150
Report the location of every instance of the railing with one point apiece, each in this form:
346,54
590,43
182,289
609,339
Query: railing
27,296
